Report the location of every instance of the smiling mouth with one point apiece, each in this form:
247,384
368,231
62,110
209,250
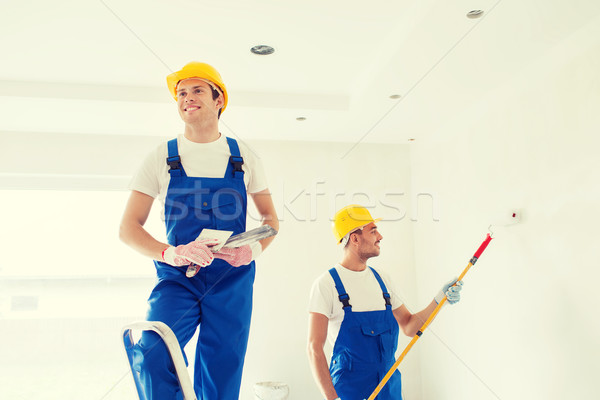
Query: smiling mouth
191,108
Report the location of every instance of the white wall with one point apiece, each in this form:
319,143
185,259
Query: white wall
527,326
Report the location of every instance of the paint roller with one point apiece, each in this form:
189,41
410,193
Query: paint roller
387,376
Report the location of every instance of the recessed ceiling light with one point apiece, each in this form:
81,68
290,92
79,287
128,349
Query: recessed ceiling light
300,118
395,96
474,14
262,50
411,140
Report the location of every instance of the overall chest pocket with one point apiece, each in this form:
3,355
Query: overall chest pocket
223,209
381,337
218,209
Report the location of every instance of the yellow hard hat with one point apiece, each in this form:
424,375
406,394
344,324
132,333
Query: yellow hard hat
199,70
349,219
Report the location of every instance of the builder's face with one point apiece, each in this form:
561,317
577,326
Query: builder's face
195,101
369,241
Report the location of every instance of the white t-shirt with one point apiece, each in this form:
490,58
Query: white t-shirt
363,289
208,160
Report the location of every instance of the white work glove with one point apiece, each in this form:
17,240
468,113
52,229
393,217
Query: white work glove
239,256
196,252
450,291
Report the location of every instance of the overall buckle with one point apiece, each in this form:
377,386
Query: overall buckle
345,299
237,163
174,162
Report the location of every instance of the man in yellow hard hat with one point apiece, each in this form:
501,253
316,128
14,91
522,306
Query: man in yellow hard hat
202,180
358,310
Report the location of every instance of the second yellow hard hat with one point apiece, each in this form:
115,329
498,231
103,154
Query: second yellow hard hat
349,219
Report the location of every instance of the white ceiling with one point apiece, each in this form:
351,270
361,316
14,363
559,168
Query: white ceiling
99,67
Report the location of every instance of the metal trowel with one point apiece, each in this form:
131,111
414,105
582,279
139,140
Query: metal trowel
239,240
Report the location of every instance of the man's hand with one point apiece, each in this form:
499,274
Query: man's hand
197,252
451,291
237,256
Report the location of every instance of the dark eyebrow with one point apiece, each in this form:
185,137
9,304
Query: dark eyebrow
193,87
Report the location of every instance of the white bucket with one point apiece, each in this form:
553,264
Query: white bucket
271,391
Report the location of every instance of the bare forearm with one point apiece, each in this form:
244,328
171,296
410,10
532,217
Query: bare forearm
135,236
274,223
417,320
320,371
268,215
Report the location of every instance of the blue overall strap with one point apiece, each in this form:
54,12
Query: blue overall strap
386,295
343,296
235,160
173,160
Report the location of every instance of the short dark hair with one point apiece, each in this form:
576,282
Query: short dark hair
358,232
215,95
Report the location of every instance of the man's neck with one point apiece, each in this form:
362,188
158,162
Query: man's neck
201,133
353,262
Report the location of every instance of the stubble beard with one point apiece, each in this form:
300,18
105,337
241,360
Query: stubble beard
369,254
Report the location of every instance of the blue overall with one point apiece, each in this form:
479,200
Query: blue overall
218,298
365,349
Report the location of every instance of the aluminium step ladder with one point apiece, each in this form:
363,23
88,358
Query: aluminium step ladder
172,344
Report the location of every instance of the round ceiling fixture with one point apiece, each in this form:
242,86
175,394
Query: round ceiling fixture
300,118
474,14
262,50
395,96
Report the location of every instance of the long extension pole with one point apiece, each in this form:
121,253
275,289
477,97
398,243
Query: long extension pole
426,324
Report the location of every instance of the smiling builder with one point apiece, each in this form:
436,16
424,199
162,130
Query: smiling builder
202,178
